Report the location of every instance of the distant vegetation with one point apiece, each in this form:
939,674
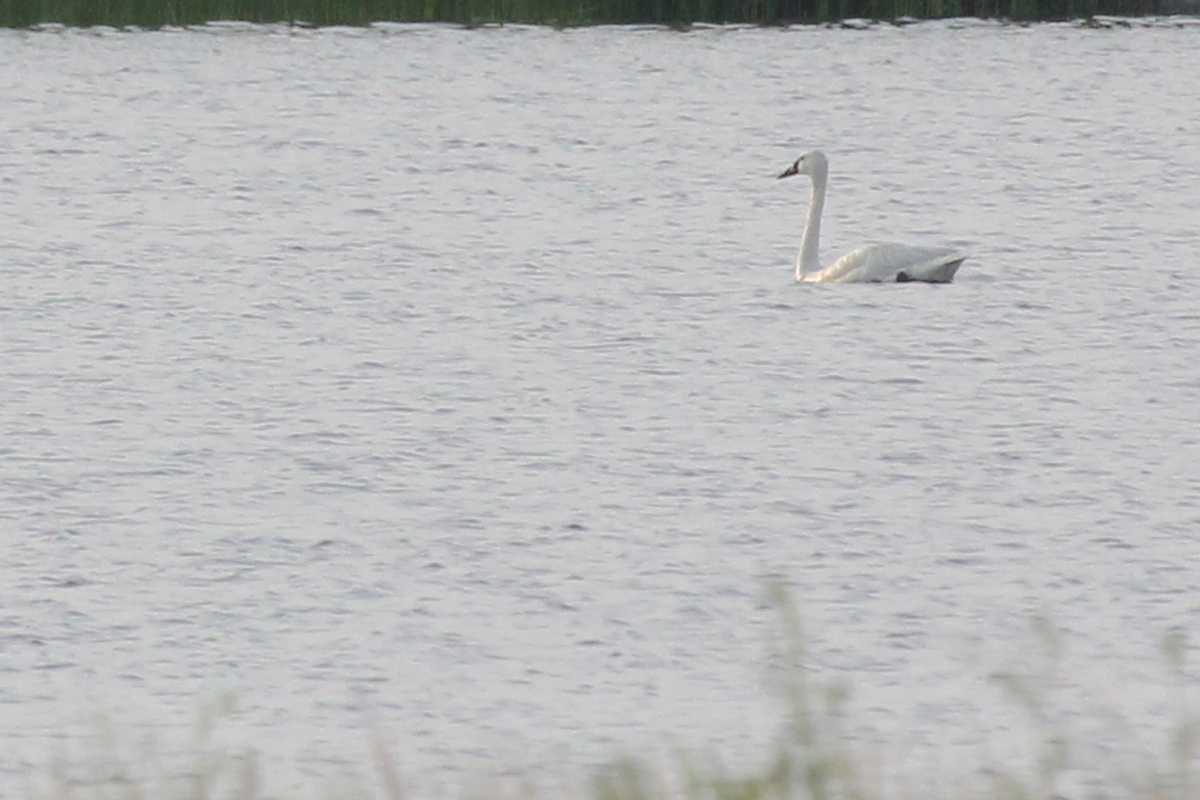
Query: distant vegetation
678,13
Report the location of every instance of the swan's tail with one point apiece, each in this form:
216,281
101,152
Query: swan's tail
939,268
942,270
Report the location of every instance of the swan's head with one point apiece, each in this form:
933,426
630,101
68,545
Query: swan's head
811,163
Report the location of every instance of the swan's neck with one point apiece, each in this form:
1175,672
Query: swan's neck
808,261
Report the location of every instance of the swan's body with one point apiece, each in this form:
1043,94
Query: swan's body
875,263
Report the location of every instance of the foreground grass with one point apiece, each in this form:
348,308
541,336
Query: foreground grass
811,757
158,13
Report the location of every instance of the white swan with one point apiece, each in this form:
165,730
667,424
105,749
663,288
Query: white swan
875,263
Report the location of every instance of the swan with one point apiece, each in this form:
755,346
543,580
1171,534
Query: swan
875,263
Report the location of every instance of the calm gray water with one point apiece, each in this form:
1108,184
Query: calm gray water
453,385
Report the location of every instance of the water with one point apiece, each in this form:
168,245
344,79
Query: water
452,385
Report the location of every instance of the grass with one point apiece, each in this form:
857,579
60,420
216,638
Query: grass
678,13
811,757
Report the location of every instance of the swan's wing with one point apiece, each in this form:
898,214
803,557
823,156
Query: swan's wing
890,263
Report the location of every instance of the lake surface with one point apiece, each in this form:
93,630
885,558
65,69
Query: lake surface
452,386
